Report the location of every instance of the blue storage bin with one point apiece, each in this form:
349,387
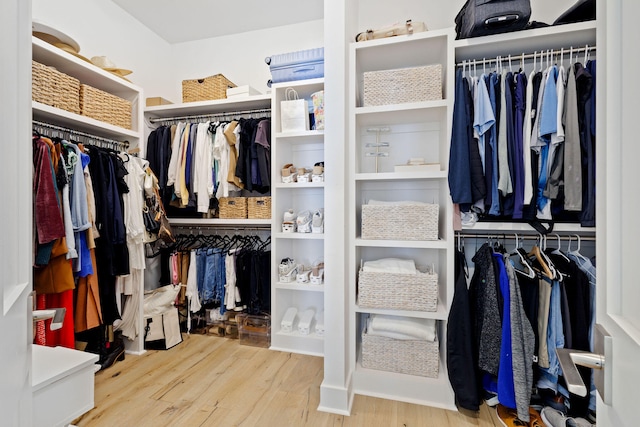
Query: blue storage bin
300,65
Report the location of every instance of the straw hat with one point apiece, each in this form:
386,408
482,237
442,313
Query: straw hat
56,38
107,65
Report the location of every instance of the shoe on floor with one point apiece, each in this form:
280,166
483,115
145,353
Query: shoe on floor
509,417
491,399
553,418
579,422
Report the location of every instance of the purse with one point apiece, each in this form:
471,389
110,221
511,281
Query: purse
149,219
165,233
408,27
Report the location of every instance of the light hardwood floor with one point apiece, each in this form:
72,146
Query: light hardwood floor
213,381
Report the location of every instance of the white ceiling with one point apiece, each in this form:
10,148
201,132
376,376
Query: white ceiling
189,20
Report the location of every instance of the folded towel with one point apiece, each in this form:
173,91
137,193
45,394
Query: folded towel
390,265
405,327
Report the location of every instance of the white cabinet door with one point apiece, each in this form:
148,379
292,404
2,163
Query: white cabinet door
618,227
15,215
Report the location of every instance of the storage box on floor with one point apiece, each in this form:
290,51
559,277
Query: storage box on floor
254,329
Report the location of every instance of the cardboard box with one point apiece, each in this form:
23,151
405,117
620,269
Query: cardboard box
157,100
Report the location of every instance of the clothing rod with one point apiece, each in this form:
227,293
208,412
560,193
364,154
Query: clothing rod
542,54
550,237
72,132
215,227
211,116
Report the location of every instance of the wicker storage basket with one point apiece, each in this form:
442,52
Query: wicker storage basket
412,357
400,222
51,87
259,207
213,87
403,85
418,292
103,106
233,207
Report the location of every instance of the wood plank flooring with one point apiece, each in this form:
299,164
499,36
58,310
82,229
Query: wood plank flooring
212,381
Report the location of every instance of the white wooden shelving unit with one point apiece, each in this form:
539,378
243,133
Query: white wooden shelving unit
228,106
302,149
89,74
420,129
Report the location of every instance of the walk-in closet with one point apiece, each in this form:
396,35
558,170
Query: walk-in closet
319,213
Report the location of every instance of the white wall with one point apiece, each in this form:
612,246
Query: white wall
102,28
240,57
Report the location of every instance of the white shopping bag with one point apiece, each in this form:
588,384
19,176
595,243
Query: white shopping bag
294,112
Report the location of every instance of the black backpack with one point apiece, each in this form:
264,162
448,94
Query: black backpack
485,17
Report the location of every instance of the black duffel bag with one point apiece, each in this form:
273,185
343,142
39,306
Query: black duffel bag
485,17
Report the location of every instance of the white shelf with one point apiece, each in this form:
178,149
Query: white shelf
494,227
295,342
297,135
228,105
298,185
419,390
398,176
219,221
53,115
526,41
441,312
314,84
300,236
304,287
414,244
86,72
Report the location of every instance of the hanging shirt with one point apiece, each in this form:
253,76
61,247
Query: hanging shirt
461,137
518,155
504,176
202,177
572,151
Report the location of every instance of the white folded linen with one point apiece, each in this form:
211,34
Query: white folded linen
390,265
404,328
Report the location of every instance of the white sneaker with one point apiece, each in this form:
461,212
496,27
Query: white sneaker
289,222
317,225
303,222
287,271
318,172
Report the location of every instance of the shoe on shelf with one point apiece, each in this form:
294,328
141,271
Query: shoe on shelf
304,175
287,271
509,417
317,273
317,226
289,173
303,275
289,222
303,222
318,172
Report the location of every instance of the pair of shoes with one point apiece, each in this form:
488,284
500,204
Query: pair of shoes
303,222
317,225
289,222
287,270
289,173
554,418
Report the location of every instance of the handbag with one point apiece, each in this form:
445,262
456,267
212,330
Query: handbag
149,219
162,331
294,112
165,233
408,27
485,17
